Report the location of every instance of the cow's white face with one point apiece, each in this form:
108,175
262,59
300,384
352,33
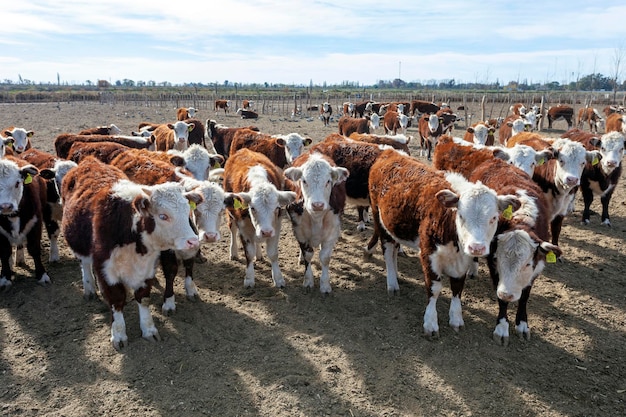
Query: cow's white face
12,180
4,142
264,202
433,123
114,130
21,138
326,107
191,112
209,213
374,121
404,120
316,178
571,158
518,125
477,211
519,259
181,133
294,145
526,158
612,151
199,161
480,134
400,108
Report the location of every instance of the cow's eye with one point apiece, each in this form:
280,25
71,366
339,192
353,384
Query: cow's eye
164,217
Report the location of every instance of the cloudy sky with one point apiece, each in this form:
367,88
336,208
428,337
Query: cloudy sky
296,41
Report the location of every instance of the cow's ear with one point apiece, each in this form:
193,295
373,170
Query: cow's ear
280,142
447,198
47,174
170,126
141,203
177,160
229,199
28,170
216,161
595,141
191,127
308,141
594,157
293,173
470,129
194,197
340,174
30,134
549,251
501,154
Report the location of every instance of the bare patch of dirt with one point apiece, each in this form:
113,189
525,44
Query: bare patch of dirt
271,352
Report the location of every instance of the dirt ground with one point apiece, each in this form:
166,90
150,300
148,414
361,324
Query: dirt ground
286,352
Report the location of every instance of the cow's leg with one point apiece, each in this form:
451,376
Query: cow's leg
521,318
456,313
52,230
390,254
33,245
190,287
148,329
431,322
232,224
362,212
605,199
20,259
169,264
326,252
89,281
6,250
587,200
249,249
272,254
555,228
501,332
116,297
306,253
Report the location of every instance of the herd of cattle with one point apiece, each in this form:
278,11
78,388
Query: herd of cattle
126,204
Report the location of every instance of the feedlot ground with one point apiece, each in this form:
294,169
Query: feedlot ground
286,352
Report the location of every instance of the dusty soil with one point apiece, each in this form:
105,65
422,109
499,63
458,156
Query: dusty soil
271,352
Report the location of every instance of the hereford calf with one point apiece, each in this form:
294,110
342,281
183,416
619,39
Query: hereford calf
172,136
222,104
511,126
247,114
258,183
184,113
325,112
591,116
21,138
280,149
198,161
561,112
616,122
449,219
600,177
349,125
394,121
103,151
316,213
102,130
222,136
64,142
480,133
22,198
430,129
121,228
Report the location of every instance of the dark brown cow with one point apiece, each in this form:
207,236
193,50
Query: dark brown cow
363,108
222,104
222,136
280,149
449,219
423,107
64,142
118,229
102,130
561,112
22,198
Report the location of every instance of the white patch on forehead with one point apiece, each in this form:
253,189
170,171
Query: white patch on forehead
256,174
294,143
168,195
197,161
523,157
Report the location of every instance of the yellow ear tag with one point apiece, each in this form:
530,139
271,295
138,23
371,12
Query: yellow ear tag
216,165
192,205
508,212
550,257
595,161
541,161
237,204
10,144
28,179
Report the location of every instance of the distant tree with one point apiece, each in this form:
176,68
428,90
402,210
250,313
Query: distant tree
88,82
618,57
225,83
103,84
151,83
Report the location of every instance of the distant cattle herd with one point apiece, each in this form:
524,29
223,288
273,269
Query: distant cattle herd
129,204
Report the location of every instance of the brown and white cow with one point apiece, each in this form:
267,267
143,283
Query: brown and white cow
423,107
172,136
349,125
102,130
600,178
592,117
449,219
21,138
103,151
316,212
517,109
184,113
348,109
258,184
199,162
394,121
511,126
52,169
326,111
561,112
363,108
430,129
64,141
399,142
120,228
222,136
247,114
222,104
280,149
519,250
446,118
22,198
480,133
616,122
